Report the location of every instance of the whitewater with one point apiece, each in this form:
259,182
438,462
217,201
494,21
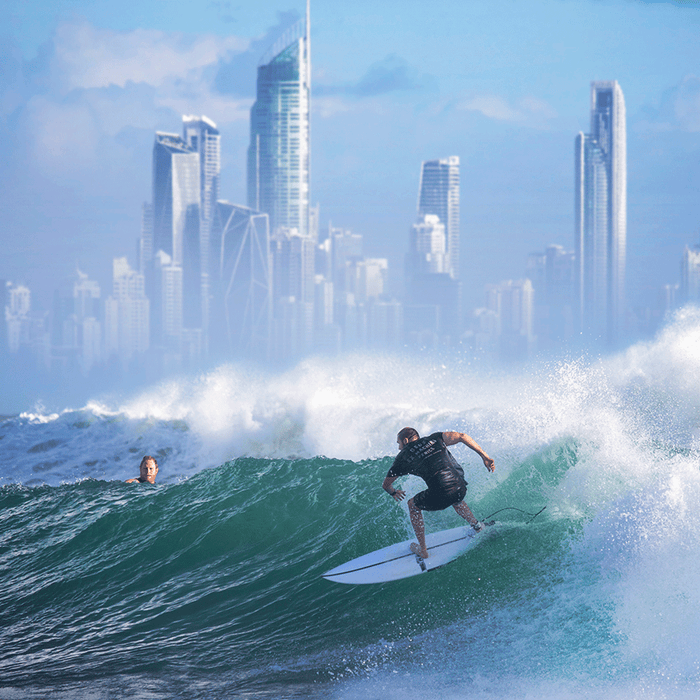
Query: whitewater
207,585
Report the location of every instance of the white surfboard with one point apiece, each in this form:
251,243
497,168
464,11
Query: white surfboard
398,561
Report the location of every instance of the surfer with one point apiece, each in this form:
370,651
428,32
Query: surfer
430,459
148,470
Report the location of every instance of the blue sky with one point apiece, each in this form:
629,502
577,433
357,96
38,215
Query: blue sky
84,85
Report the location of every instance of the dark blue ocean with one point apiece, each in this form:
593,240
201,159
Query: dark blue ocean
207,585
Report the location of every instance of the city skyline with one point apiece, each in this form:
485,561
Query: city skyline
499,202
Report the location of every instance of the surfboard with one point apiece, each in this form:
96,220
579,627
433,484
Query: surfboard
397,561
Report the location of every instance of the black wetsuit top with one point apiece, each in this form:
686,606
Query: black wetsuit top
429,458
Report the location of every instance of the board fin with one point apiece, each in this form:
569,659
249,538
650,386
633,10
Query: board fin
421,562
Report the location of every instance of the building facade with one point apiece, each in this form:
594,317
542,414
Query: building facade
241,283
438,195
690,275
127,313
601,216
202,136
176,269
279,151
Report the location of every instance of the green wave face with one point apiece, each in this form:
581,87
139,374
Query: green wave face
209,585
219,576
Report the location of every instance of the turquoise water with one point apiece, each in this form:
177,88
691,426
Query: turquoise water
208,584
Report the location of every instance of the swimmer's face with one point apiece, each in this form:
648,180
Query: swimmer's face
149,471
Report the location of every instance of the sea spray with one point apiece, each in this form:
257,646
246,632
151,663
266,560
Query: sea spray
208,583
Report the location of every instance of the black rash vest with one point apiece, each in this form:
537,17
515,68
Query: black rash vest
429,458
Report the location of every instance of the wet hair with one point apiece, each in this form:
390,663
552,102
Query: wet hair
407,434
146,460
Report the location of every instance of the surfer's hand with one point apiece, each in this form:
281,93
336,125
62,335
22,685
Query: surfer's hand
398,495
488,463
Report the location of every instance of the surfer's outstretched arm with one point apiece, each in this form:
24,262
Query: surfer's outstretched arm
452,438
396,494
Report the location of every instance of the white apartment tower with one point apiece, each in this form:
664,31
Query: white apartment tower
202,136
279,151
438,195
127,313
176,268
690,274
601,215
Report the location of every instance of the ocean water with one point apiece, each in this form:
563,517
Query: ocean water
207,585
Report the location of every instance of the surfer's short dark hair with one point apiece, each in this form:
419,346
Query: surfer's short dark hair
148,459
407,434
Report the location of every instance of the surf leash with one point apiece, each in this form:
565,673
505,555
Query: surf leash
532,515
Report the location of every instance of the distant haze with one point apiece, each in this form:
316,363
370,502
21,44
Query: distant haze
505,86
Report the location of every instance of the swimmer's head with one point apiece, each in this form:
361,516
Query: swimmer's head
148,469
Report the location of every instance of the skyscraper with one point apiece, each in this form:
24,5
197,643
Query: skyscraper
241,282
601,215
433,290
512,302
126,313
428,249
279,153
176,195
438,194
202,136
690,274
176,233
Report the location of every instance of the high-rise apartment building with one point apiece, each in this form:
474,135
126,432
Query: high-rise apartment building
176,234
428,247
551,273
127,313
201,135
601,215
241,282
438,195
433,290
166,305
176,195
690,275
145,247
279,152
17,316
512,303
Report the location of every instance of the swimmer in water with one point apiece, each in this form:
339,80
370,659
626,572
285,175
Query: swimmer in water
148,471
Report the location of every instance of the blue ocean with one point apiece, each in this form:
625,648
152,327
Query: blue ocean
208,584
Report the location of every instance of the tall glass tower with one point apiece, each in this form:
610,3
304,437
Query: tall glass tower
176,195
438,194
279,153
601,214
176,224
591,208
202,136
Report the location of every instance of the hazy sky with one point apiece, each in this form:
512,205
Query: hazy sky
505,85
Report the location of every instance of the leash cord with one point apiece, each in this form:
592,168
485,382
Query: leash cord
532,515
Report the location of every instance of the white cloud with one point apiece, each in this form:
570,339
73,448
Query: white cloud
101,82
329,106
678,109
528,109
87,57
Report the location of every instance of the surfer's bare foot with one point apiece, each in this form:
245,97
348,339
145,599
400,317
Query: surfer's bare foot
415,548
